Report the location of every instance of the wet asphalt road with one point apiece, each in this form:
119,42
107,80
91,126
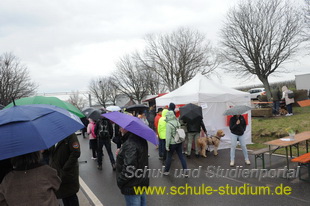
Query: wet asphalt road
103,183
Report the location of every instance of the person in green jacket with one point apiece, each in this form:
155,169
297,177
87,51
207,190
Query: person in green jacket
171,145
162,135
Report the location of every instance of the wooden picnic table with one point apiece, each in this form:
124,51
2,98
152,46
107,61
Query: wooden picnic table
286,143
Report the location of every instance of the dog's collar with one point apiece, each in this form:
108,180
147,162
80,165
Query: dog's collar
217,137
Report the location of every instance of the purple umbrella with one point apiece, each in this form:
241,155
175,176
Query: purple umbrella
133,125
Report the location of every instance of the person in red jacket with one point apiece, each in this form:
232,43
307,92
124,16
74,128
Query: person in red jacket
157,117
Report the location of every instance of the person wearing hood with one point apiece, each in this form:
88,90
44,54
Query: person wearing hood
171,145
30,183
288,101
171,107
132,157
162,135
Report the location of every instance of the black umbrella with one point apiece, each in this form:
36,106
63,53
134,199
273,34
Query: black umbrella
92,113
137,108
190,112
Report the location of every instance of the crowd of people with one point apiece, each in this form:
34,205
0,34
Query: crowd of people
54,174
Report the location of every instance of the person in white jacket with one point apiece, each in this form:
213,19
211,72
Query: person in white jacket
288,101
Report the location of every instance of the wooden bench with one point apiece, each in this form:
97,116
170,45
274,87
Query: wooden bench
262,112
261,154
303,161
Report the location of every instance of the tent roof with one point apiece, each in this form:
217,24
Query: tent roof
150,97
202,89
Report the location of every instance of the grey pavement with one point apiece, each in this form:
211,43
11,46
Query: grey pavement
104,191
83,200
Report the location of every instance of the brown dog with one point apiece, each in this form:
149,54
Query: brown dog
282,111
214,140
202,144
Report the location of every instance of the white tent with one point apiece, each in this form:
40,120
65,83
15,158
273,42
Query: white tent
214,98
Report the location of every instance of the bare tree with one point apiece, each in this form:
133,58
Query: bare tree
307,21
76,100
259,36
131,78
155,84
113,91
99,88
178,56
15,81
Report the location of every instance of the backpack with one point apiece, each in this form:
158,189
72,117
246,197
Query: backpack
179,136
103,130
290,95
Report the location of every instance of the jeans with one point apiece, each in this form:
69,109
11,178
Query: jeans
190,137
178,149
71,201
107,143
234,144
162,149
93,145
135,200
275,107
289,108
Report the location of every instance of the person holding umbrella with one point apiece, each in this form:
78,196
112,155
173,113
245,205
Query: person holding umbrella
192,117
64,158
237,126
43,126
38,182
132,156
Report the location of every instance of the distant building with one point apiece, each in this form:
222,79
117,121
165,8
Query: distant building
302,81
151,99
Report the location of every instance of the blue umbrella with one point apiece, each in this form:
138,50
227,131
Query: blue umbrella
30,128
133,125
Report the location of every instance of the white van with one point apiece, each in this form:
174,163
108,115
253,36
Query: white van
257,92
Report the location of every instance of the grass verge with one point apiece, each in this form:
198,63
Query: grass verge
266,129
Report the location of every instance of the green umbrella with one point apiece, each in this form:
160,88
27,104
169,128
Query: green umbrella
47,100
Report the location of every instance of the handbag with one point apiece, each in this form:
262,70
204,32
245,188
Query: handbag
290,95
179,134
117,140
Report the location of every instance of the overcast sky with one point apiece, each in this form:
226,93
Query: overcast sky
66,43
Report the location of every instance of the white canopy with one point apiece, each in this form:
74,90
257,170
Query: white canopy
214,98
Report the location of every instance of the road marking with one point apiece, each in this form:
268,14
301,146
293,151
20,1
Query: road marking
91,196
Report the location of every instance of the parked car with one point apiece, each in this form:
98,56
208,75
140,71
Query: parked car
257,92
